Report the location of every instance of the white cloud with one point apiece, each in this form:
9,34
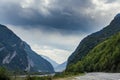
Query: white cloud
52,44
26,3
41,6
58,55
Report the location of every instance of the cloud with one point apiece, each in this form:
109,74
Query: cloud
57,24
59,55
62,15
55,45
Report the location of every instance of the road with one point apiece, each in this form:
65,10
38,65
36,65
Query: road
99,76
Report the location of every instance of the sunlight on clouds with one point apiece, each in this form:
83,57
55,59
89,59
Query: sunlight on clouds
102,8
26,3
45,6
102,5
57,55
46,2
42,6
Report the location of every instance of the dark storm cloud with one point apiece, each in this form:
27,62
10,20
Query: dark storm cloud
63,15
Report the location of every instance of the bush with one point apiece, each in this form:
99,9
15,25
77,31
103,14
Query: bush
4,74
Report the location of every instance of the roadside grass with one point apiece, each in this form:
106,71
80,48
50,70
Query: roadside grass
56,77
33,78
66,76
18,78
7,75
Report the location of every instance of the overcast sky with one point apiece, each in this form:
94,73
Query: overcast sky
54,28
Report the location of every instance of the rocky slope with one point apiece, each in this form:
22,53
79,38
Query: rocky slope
15,54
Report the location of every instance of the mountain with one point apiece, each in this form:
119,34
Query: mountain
61,67
57,67
89,42
54,64
15,54
104,57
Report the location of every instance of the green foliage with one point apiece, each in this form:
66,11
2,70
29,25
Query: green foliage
62,75
4,74
66,75
104,57
75,68
91,41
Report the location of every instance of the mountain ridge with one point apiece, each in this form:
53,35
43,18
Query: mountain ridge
16,54
89,42
55,64
102,58
61,67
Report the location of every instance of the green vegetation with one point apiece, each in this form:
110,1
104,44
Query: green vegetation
4,74
105,57
91,41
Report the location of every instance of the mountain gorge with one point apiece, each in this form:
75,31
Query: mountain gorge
15,54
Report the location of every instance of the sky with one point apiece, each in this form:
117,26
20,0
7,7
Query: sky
54,28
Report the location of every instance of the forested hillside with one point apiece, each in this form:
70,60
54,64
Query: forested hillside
105,57
89,42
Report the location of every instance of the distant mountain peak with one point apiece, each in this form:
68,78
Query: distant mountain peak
54,64
61,67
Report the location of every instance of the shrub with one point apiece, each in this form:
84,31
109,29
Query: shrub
4,74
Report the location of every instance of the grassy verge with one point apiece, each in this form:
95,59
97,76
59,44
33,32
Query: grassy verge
58,76
66,76
5,75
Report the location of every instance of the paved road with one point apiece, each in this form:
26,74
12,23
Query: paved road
99,76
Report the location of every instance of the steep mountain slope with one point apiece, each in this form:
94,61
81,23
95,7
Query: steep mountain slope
61,67
54,64
104,57
88,43
15,54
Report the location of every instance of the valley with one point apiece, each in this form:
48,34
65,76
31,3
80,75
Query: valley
59,40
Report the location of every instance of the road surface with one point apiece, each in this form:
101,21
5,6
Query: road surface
99,76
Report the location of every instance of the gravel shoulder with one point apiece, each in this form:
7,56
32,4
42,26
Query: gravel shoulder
99,76
95,76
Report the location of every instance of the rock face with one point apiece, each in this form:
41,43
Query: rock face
15,54
89,42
